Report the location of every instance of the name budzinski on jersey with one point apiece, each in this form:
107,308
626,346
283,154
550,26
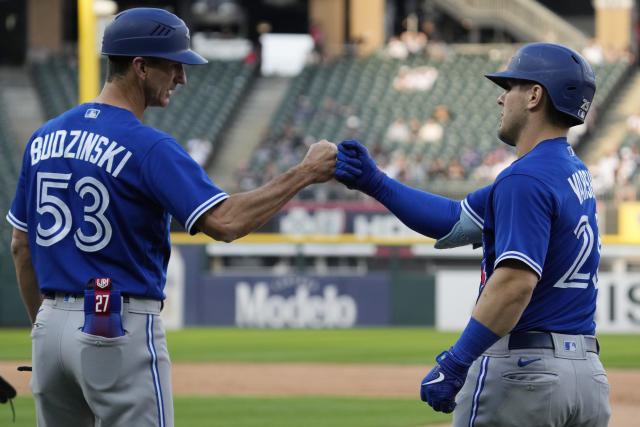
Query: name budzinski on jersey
80,145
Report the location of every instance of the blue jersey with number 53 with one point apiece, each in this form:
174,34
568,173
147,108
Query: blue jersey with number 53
95,195
541,211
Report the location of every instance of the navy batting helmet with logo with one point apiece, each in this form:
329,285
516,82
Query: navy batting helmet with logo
567,76
149,32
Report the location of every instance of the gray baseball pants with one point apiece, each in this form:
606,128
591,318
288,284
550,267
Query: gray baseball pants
535,387
86,380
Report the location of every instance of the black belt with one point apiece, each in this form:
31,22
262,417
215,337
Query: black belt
520,340
52,295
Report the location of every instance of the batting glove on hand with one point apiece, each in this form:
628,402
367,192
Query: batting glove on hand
440,386
356,169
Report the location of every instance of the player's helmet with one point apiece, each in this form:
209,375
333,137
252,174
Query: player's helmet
149,32
567,76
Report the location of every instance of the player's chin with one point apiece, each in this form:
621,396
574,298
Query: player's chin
162,102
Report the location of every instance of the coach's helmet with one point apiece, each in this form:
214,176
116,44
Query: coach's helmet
150,32
567,76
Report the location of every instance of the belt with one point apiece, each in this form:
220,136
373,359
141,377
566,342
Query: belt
52,295
126,298
520,340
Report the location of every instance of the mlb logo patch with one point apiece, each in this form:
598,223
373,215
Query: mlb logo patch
91,113
570,346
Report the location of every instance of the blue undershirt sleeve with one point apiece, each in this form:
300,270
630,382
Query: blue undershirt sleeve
426,213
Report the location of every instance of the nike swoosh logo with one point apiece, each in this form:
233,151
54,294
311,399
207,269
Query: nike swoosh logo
522,363
436,380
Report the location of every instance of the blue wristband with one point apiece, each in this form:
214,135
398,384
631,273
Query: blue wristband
475,339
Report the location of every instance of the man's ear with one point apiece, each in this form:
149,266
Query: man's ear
535,96
139,66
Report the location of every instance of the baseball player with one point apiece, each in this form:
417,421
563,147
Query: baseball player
528,356
92,207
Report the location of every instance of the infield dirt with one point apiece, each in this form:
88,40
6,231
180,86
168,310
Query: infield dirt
312,379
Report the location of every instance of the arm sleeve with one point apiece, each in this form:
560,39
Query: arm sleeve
426,213
524,208
179,184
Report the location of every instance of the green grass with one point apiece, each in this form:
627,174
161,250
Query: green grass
276,412
382,345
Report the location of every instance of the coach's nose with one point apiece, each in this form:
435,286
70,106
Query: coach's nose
501,98
181,76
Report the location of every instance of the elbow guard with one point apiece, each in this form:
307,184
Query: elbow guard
465,231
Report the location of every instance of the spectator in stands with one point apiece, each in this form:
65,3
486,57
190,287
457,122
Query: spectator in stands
398,131
415,42
625,190
593,52
430,30
414,127
604,172
494,163
397,167
436,47
437,169
441,113
431,131
469,158
633,123
397,49
353,125
455,170
416,171
317,34
418,79
199,149
627,165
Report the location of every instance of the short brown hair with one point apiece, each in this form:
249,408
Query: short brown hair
118,66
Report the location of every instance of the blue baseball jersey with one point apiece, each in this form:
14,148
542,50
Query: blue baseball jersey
96,194
474,205
541,210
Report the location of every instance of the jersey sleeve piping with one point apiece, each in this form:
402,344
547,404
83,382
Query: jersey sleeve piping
520,257
202,209
477,219
16,222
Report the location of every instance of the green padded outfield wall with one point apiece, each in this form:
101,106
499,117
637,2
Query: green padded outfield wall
413,299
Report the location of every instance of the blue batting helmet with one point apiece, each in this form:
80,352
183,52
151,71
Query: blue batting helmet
149,32
567,76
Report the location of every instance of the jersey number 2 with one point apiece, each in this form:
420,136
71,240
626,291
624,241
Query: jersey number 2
573,278
48,203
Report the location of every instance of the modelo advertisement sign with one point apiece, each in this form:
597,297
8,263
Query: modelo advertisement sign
292,301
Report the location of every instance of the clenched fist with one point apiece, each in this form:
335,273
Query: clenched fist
320,160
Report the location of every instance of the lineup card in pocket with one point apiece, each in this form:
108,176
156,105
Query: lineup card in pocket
102,299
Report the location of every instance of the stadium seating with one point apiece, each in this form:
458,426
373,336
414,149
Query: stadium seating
200,109
9,169
323,96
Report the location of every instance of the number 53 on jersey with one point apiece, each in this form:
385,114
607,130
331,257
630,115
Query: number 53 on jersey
55,221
